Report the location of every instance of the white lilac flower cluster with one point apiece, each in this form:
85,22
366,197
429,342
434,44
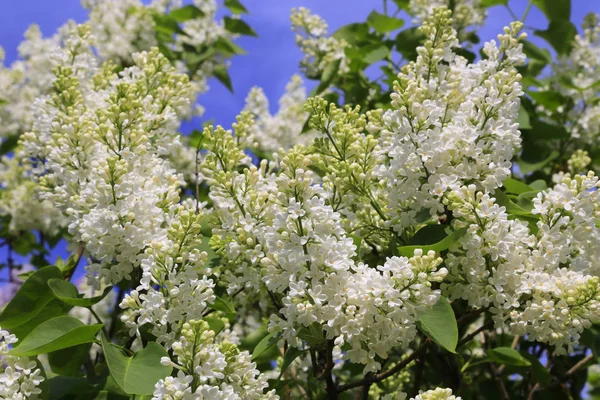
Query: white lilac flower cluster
26,79
208,369
581,68
318,48
118,30
465,13
434,394
22,201
34,71
445,148
120,27
275,231
174,287
20,377
282,130
309,262
451,123
96,148
348,159
99,150
541,285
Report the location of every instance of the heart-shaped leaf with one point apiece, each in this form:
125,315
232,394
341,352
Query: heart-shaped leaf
31,298
508,356
56,334
439,325
267,343
138,374
67,293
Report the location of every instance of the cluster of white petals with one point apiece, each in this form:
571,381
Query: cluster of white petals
96,148
581,68
318,48
210,368
451,123
120,28
20,377
276,231
540,281
465,13
281,130
100,151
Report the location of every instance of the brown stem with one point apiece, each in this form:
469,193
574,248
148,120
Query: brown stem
498,378
79,253
470,336
419,373
565,377
332,391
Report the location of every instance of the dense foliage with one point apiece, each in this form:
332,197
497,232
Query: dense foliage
428,231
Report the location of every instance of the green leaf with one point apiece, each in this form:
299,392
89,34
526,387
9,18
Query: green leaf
25,275
67,293
236,7
536,53
227,47
402,4
266,344
313,335
223,304
238,26
54,308
429,234
138,374
377,54
517,187
492,3
187,13
56,334
383,23
590,337
220,72
356,34
507,356
538,185
215,324
9,144
68,362
511,208
167,25
329,73
407,42
288,358
549,99
444,244
560,35
439,325
545,131
31,298
523,119
555,10
527,168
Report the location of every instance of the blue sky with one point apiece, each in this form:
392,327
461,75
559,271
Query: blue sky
272,57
